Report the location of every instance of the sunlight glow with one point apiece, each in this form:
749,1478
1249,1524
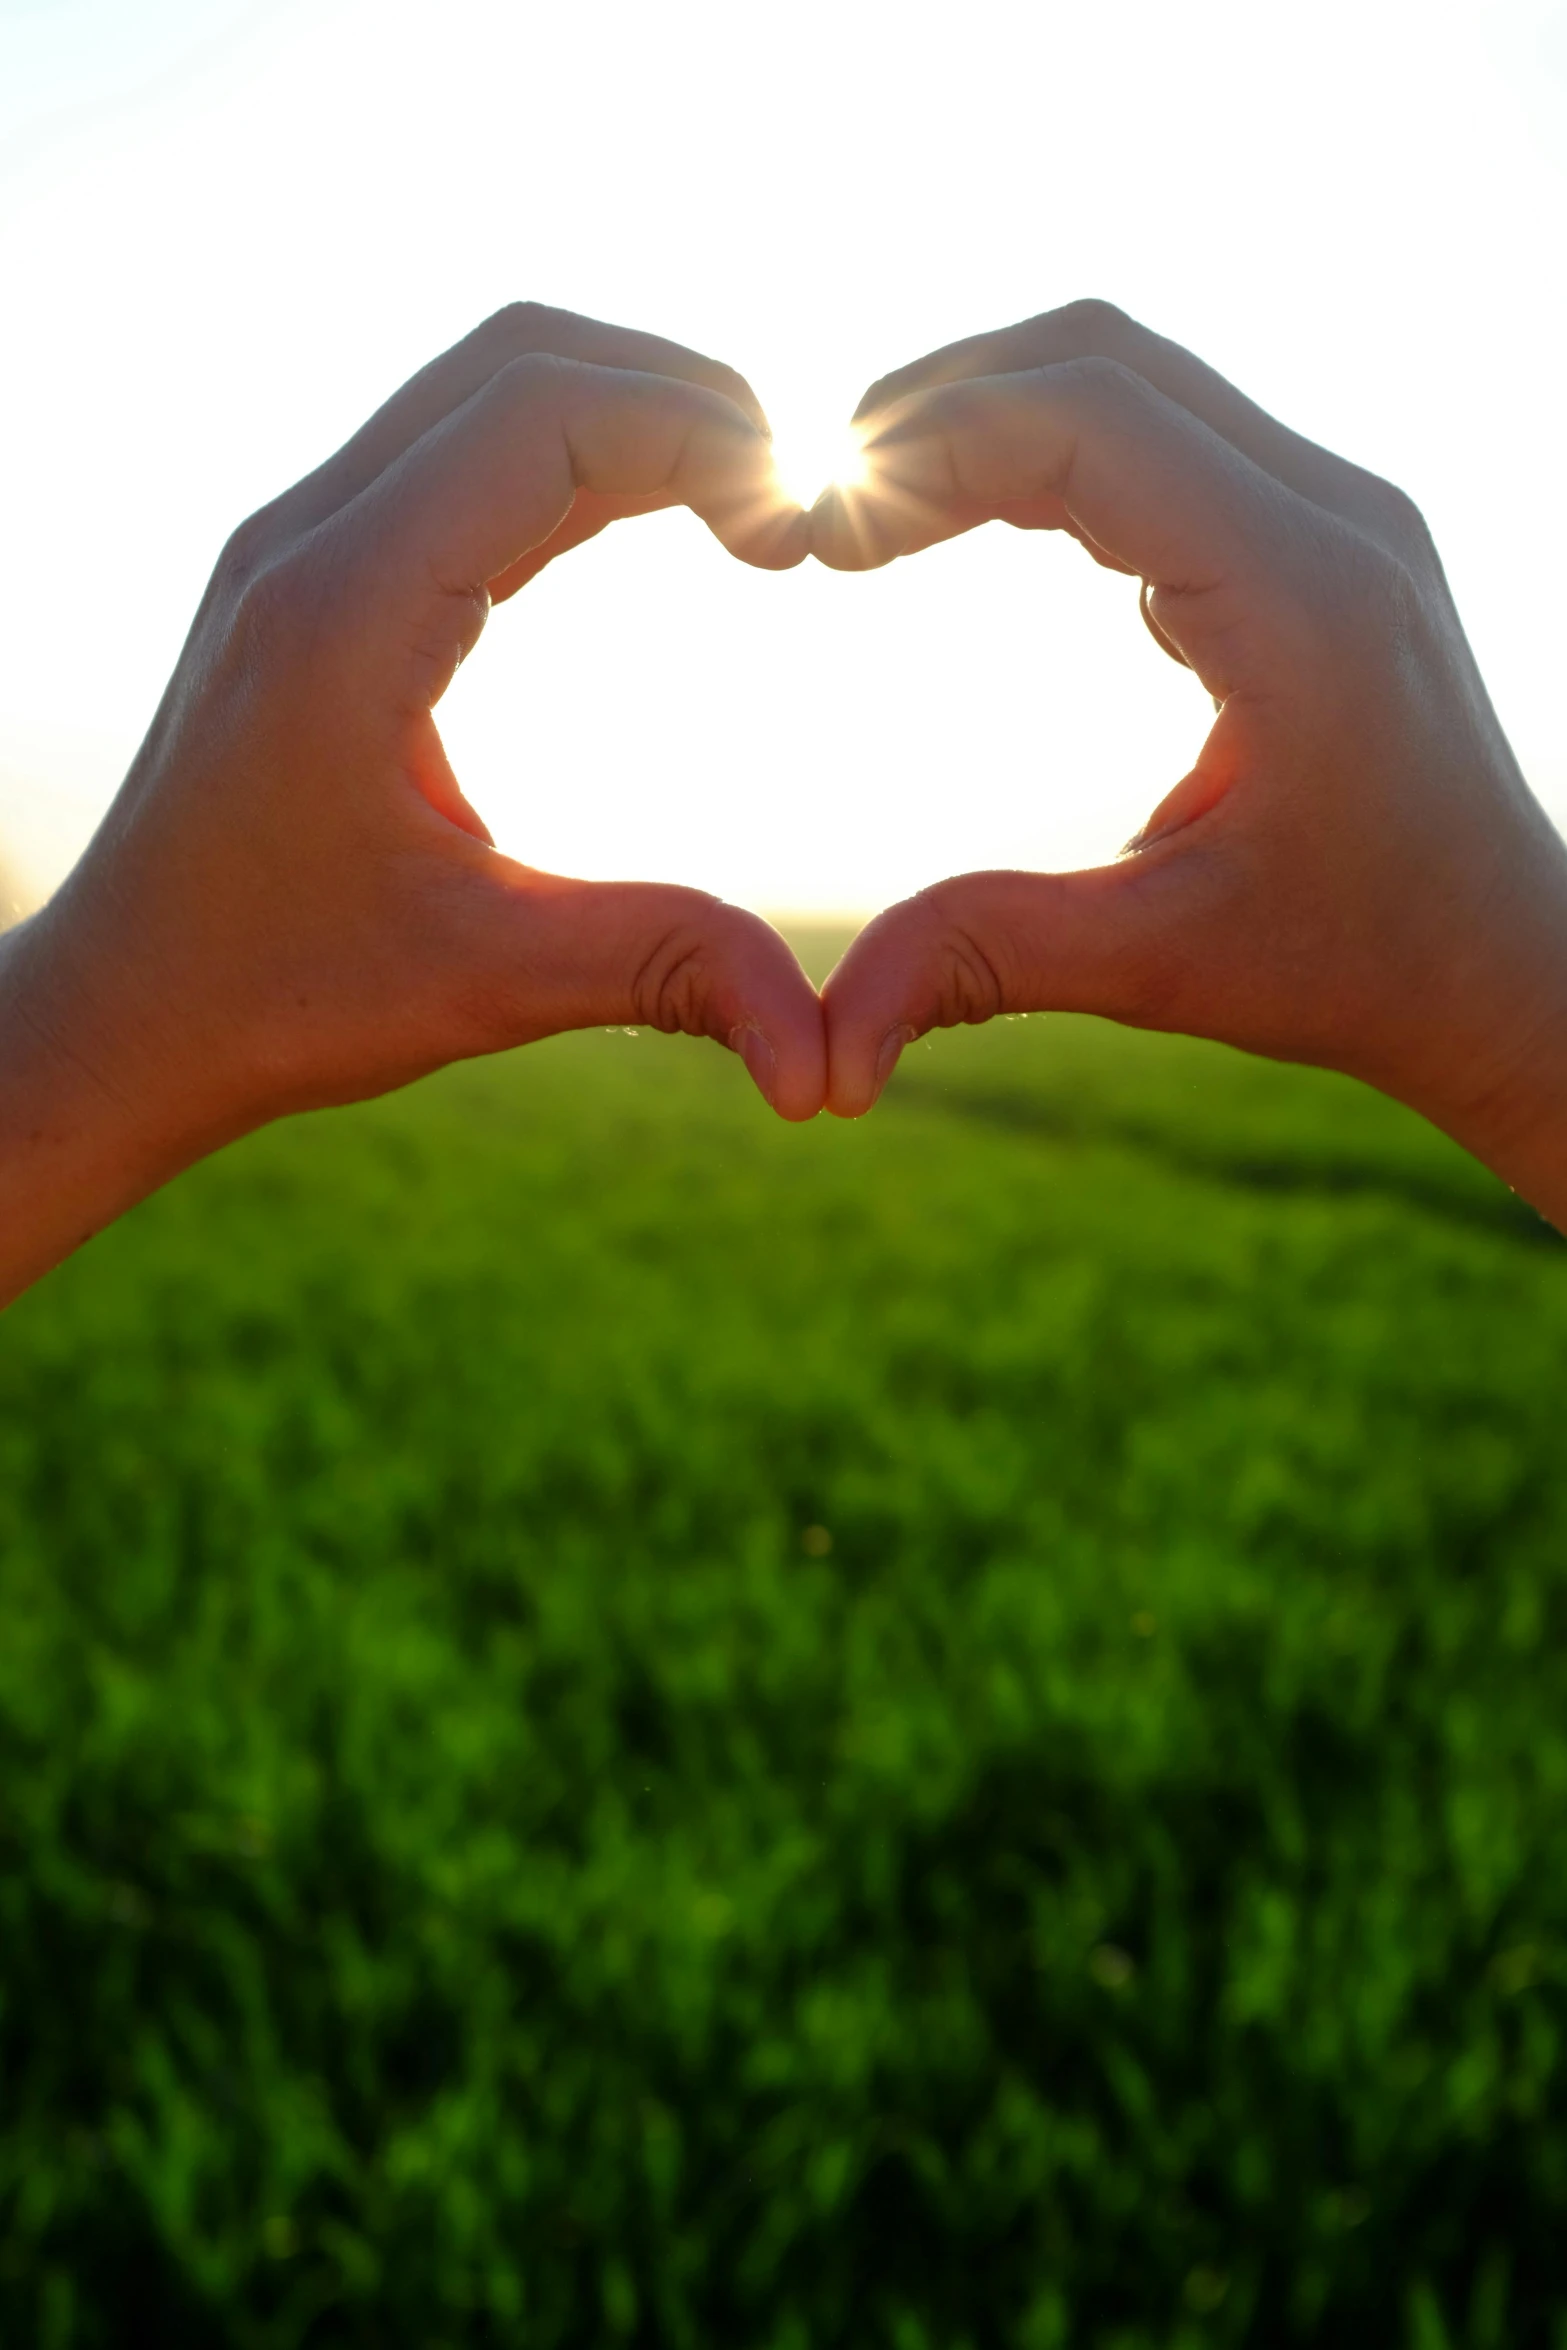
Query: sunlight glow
810,457
649,707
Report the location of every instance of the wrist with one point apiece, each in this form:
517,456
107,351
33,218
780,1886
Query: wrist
1518,1128
89,1122
1502,1091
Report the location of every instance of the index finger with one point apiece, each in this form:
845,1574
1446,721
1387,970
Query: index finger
1099,330
522,330
498,476
1135,474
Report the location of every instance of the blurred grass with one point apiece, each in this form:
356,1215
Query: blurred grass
621,1724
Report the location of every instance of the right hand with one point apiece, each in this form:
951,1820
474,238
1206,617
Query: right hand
1354,873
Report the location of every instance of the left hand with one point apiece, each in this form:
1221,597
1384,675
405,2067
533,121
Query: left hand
291,902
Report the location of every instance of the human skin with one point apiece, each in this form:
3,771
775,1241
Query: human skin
1353,874
291,903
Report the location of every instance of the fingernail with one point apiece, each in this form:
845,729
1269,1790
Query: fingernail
892,1045
759,1058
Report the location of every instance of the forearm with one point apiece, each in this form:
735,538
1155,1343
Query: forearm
81,1139
1488,1063
1521,1135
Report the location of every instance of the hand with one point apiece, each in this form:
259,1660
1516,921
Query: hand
291,902
1354,873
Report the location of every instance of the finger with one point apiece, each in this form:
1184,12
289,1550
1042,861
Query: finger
943,460
841,538
1109,940
591,512
516,332
559,954
1098,330
1086,444
852,530
1135,475
496,478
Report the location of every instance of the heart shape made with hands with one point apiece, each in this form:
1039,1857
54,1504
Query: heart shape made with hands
1266,900
966,436
1324,884
290,902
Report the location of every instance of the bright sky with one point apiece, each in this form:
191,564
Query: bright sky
229,227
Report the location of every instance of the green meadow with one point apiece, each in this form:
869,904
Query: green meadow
624,1725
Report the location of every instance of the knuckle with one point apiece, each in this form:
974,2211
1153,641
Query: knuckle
278,608
729,383
1102,379
1365,580
247,549
1387,515
516,327
1090,325
535,375
1402,519
1360,612
673,988
968,981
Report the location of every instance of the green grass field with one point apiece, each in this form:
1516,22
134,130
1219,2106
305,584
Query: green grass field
624,1725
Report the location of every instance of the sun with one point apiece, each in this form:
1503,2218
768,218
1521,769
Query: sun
810,458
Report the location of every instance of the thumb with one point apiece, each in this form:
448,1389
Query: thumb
557,954
1115,939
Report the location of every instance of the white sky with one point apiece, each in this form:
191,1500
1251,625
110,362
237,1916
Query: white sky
229,227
